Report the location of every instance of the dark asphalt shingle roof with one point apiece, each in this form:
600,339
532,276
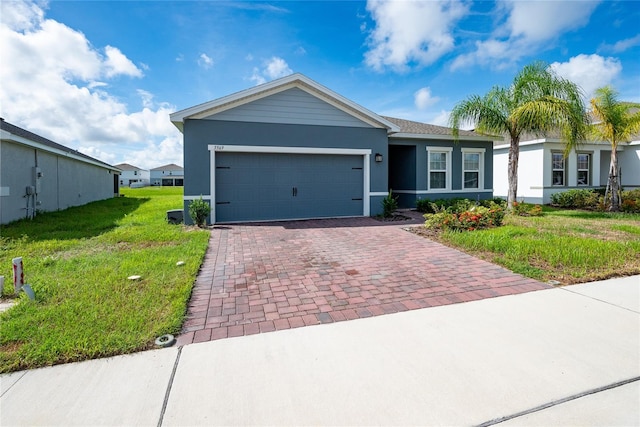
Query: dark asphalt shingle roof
170,166
127,167
409,126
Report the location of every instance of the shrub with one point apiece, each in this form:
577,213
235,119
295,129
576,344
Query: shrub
630,201
431,206
577,199
526,209
389,205
199,210
496,201
424,206
476,217
457,205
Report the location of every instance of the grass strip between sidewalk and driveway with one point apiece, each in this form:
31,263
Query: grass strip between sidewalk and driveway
568,246
78,262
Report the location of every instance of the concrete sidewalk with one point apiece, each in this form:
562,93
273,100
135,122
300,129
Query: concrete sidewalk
566,356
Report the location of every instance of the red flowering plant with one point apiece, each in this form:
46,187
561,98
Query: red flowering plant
472,218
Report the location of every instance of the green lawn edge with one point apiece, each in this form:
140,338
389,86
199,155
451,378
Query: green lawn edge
78,262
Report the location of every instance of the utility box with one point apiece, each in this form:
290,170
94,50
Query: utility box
37,177
175,216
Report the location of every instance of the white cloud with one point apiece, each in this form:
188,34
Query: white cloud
622,45
411,32
528,28
60,89
589,71
117,63
274,68
205,61
424,99
538,21
441,118
169,150
97,153
180,57
22,16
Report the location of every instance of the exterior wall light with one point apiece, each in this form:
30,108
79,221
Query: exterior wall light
378,157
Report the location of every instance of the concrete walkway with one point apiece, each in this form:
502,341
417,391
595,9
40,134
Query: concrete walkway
565,356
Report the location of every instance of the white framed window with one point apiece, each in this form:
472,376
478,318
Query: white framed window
472,168
557,169
584,169
439,168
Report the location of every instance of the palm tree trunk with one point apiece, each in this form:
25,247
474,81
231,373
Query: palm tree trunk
514,154
614,183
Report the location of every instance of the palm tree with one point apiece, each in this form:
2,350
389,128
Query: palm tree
538,101
614,122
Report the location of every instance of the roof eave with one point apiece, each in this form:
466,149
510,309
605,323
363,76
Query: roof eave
294,80
6,135
407,135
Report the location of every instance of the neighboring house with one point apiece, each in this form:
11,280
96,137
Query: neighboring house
37,174
293,149
543,170
170,175
133,175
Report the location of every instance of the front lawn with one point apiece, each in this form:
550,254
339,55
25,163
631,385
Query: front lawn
78,260
564,245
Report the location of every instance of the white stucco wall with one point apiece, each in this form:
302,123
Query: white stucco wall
535,174
530,174
630,166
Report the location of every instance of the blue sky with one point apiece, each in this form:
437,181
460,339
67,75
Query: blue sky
103,77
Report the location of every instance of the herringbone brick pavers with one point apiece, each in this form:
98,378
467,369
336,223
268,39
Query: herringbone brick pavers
266,277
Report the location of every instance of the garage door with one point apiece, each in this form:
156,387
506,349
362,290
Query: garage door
269,186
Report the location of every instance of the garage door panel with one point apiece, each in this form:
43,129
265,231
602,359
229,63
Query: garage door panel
267,186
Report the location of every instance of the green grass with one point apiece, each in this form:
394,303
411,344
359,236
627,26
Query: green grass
568,246
78,260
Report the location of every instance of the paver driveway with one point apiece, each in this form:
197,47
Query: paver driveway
265,277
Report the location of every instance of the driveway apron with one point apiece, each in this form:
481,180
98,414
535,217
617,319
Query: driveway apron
264,277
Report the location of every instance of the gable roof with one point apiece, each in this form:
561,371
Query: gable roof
297,80
170,166
17,134
411,129
127,167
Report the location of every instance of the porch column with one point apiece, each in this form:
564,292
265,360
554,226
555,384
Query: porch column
595,165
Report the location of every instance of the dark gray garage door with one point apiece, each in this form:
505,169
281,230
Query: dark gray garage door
259,186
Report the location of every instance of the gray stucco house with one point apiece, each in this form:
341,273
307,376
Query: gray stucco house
37,174
294,149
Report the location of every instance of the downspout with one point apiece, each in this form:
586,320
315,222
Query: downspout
35,184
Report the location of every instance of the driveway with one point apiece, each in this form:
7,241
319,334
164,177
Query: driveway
272,276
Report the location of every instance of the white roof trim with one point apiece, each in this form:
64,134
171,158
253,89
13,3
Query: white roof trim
297,80
11,137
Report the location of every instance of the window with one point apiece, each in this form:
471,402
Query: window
584,163
557,168
439,163
472,166
135,172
